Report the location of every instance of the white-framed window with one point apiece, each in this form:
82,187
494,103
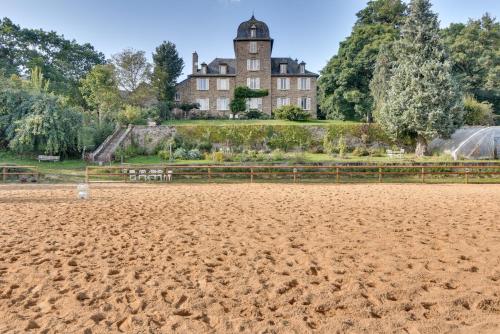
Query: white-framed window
203,69
204,104
283,68
202,84
253,64
253,32
253,83
304,83
253,47
302,68
254,103
283,101
283,83
223,104
177,96
304,103
222,84
223,69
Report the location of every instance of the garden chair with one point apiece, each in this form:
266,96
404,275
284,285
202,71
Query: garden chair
169,176
143,175
132,175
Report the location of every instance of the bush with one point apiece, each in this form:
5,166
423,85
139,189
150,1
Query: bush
477,113
132,115
181,154
194,154
129,152
291,113
360,151
342,146
164,154
256,114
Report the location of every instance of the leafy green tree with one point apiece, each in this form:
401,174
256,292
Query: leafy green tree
477,113
168,67
344,82
475,51
132,69
423,100
62,61
33,120
100,90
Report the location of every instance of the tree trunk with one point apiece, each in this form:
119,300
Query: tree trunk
421,149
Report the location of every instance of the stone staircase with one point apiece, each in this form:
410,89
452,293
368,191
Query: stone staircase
104,153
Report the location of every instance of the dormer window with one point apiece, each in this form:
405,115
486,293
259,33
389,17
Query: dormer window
253,31
223,69
283,68
204,68
302,68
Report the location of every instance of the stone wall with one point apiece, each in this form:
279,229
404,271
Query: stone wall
149,137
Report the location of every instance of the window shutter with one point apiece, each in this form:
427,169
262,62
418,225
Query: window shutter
278,102
248,64
308,83
248,83
257,83
287,83
208,84
299,102
219,84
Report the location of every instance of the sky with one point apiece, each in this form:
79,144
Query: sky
309,30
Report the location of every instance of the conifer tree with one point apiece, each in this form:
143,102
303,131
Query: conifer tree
422,100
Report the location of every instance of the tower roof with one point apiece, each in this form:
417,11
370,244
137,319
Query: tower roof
262,30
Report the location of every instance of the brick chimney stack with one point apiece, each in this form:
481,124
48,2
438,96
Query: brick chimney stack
195,62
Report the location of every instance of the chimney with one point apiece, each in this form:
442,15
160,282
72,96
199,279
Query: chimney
195,62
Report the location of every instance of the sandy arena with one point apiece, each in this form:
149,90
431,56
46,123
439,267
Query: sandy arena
258,258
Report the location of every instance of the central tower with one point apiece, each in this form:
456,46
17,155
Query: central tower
253,47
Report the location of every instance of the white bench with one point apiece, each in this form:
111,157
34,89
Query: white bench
53,158
396,154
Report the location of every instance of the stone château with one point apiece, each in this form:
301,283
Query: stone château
287,81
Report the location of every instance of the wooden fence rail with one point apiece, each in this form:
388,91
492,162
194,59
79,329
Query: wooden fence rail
19,171
296,172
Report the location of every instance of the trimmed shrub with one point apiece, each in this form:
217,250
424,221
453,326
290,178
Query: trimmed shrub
181,154
360,151
291,113
194,154
164,154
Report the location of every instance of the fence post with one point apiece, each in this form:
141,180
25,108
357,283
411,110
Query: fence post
87,174
337,178
4,177
209,173
466,176
294,175
423,174
380,174
251,175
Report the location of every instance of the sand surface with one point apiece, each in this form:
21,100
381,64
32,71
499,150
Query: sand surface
247,258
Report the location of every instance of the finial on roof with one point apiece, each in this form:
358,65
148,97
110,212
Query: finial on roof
253,15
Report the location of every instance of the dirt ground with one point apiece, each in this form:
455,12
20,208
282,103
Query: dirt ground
250,258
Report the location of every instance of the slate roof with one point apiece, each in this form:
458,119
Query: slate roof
293,67
213,67
262,30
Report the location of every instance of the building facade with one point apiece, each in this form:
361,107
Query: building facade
287,81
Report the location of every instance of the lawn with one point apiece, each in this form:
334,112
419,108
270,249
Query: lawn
217,122
73,170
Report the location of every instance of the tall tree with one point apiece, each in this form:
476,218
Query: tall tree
475,51
132,69
100,90
344,82
63,62
168,67
423,99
